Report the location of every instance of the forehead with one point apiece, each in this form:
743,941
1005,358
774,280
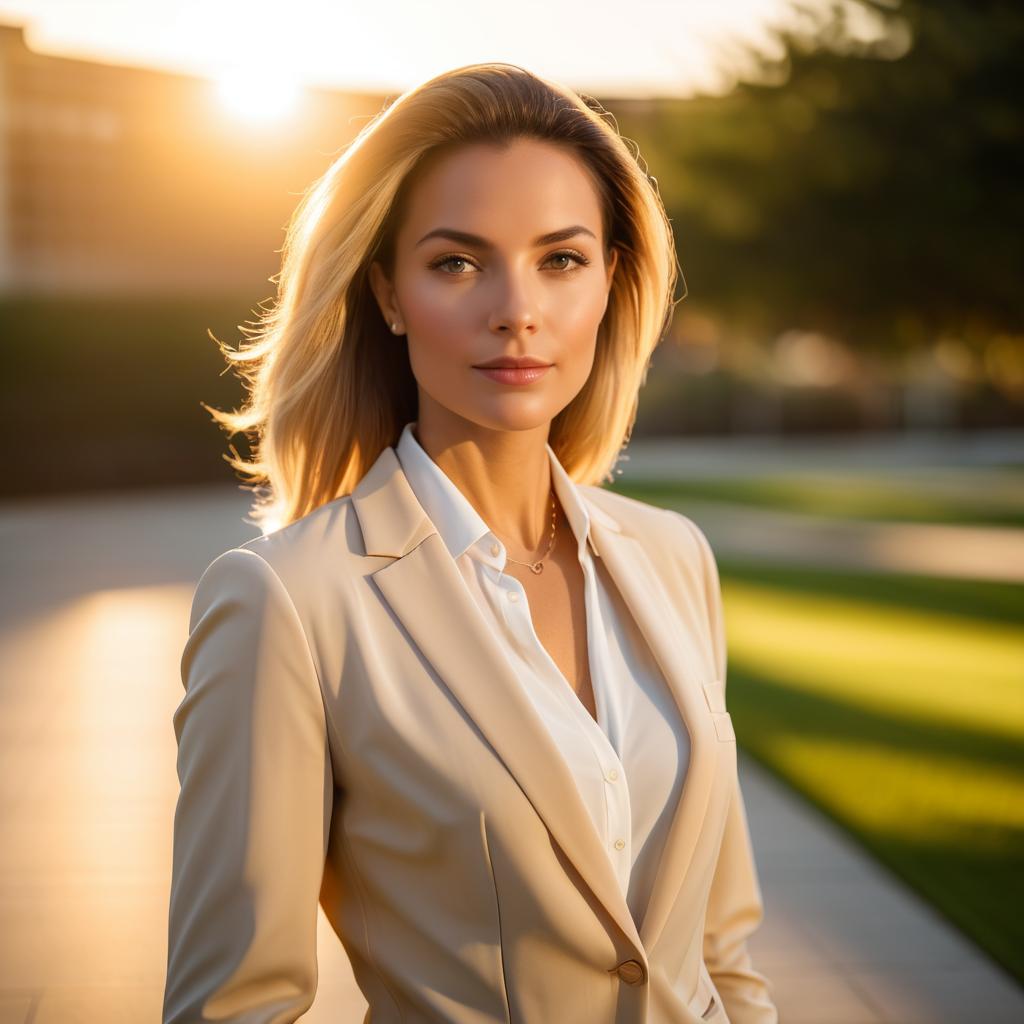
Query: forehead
509,193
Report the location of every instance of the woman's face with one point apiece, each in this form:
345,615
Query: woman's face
476,280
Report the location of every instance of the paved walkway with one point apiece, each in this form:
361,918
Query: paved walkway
845,942
917,454
93,613
939,464
926,549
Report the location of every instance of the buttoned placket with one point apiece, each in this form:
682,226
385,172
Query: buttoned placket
515,612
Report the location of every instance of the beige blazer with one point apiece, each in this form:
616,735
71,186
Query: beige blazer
352,734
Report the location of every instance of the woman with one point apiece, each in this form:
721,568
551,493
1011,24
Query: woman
463,697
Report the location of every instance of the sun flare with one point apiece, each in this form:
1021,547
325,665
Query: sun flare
252,94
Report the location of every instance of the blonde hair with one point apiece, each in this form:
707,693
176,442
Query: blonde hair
328,385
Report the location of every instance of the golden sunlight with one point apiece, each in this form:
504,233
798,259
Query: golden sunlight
250,93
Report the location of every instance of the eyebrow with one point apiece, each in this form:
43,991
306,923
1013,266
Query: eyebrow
481,243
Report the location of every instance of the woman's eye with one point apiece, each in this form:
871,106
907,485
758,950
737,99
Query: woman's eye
576,257
571,255
446,260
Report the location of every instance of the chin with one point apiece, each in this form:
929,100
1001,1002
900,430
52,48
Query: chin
515,413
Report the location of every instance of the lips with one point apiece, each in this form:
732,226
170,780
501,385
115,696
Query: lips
520,362
514,374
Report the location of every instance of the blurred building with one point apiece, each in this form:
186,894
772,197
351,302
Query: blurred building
123,179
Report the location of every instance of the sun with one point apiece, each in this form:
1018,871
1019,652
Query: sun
251,94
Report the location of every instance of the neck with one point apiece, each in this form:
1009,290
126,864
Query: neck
504,474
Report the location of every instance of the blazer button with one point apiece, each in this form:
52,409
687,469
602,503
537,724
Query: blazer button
631,972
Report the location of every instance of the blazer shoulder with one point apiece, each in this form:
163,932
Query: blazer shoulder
632,514
641,517
665,531
695,537
328,539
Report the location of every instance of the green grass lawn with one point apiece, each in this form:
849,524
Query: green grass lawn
895,705
980,497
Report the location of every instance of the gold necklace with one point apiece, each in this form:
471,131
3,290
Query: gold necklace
538,566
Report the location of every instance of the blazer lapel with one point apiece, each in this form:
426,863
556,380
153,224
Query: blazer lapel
427,593
632,571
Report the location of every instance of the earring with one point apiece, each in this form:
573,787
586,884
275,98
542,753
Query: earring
394,328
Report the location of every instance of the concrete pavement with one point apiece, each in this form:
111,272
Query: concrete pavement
925,549
843,941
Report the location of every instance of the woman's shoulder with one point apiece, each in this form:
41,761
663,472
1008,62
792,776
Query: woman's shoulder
322,546
326,524
677,547
649,523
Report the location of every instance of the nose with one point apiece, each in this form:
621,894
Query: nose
515,310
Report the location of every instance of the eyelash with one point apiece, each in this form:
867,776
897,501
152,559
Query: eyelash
581,261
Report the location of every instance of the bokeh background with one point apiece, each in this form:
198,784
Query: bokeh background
839,403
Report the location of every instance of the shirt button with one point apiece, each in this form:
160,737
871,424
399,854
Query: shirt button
513,596
613,775
495,550
619,844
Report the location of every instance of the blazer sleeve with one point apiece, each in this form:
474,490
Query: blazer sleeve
735,906
253,811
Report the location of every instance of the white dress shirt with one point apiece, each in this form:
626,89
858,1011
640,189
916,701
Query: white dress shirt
630,764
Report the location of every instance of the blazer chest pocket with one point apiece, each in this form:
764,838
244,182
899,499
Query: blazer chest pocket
714,694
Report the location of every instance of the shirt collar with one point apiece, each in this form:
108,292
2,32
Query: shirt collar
458,522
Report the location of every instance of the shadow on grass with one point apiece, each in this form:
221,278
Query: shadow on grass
975,883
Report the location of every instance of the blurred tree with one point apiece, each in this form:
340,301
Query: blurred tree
871,190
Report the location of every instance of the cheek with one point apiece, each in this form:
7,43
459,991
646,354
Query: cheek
433,306
439,325
439,337
579,310
576,323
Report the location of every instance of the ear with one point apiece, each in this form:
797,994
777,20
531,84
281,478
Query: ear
384,293
612,261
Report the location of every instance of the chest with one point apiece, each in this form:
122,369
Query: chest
556,606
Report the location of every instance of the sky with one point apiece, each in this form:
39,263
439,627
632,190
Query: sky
620,48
